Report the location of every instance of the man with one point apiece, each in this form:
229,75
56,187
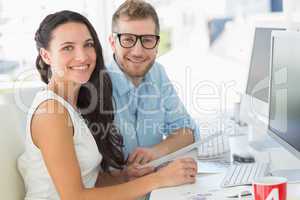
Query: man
147,106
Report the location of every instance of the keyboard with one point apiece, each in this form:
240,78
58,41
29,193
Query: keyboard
243,174
213,147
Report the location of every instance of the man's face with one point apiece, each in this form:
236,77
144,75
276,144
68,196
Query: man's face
135,61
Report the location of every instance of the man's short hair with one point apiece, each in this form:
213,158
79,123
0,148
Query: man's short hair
135,10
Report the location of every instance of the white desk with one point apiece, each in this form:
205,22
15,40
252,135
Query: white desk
209,185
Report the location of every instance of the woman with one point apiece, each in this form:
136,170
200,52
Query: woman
70,135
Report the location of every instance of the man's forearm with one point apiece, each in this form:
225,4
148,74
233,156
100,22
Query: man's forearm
176,140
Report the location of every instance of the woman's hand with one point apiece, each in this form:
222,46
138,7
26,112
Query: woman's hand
135,170
178,172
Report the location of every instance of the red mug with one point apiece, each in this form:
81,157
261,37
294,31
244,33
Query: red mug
270,188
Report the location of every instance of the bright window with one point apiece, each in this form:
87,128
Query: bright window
184,25
18,23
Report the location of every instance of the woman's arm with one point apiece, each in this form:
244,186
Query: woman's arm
52,133
130,172
178,172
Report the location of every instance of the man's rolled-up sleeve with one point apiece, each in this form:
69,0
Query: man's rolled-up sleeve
176,116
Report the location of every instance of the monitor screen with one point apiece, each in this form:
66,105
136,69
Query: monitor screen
258,76
284,110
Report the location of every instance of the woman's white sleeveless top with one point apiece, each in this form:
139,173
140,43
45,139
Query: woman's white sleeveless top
38,183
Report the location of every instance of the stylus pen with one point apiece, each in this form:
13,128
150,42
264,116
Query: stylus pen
243,194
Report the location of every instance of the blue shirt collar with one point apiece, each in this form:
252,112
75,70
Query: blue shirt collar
122,83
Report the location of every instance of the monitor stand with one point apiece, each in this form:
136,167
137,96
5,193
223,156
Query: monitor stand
292,175
264,144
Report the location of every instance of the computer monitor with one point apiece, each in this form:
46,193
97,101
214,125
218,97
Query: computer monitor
284,106
258,81
254,103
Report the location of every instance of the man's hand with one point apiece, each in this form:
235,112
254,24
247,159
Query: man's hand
142,155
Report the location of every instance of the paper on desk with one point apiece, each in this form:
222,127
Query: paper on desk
180,152
205,187
211,167
171,156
